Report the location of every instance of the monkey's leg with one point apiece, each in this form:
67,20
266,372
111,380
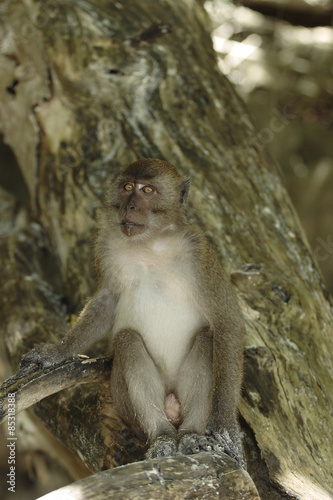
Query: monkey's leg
194,391
214,394
139,392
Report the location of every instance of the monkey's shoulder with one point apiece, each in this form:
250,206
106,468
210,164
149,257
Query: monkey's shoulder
203,254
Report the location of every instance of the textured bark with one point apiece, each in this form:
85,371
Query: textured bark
87,86
29,388
199,476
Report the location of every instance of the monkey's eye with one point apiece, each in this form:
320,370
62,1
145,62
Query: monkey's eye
147,189
128,187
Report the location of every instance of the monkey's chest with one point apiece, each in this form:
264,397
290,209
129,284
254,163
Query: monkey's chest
157,303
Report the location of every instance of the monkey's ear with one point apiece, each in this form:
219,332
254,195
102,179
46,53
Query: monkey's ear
184,190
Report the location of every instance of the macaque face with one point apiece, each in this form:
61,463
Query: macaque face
146,198
139,206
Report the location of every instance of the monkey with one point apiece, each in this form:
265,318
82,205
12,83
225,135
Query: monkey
176,326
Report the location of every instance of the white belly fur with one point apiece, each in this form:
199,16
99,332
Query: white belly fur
156,303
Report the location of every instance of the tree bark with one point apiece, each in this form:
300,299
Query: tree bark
87,86
199,476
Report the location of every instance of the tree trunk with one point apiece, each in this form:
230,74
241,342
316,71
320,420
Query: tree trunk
87,86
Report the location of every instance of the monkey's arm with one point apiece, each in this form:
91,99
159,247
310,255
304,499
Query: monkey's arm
227,380
228,337
93,324
221,308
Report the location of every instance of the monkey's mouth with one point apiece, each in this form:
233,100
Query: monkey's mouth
131,228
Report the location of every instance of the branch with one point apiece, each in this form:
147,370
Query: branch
31,387
297,12
204,475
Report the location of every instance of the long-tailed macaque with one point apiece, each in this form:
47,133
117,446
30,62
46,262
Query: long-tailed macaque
176,327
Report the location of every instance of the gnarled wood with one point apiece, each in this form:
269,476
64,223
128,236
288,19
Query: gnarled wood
90,85
28,388
204,475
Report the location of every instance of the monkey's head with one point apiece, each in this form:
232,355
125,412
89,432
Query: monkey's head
146,197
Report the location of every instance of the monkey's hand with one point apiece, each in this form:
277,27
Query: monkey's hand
43,356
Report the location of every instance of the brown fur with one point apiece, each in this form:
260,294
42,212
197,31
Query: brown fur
176,327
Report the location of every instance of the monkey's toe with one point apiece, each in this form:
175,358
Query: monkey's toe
193,443
212,441
163,446
231,445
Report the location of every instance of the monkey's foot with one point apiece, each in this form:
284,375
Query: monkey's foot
163,446
193,443
223,442
212,441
